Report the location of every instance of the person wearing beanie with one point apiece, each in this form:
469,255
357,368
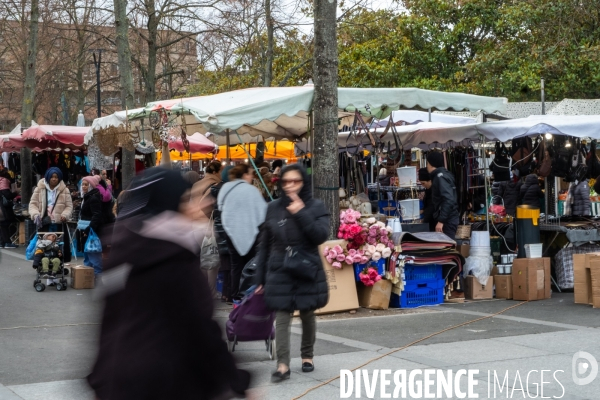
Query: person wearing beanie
425,180
443,190
91,210
51,206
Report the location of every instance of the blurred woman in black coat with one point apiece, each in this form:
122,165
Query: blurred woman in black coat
158,340
91,210
299,221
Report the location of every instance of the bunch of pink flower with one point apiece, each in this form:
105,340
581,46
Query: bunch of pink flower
336,256
351,230
379,242
369,276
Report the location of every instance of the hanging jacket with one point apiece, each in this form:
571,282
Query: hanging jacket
445,206
581,199
530,192
509,191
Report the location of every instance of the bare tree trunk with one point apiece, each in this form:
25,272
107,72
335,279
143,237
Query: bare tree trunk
126,81
325,152
152,50
28,101
270,43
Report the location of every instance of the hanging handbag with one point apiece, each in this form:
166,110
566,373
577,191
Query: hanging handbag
209,254
501,164
546,165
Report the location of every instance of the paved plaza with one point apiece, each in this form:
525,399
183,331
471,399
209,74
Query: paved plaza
48,343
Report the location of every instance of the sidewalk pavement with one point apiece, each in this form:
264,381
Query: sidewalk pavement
542,335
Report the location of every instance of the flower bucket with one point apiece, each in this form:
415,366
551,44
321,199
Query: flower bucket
379,265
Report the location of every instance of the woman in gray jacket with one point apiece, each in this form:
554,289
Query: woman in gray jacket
581,199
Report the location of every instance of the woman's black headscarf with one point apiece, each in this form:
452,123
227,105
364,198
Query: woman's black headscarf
153,191
306,191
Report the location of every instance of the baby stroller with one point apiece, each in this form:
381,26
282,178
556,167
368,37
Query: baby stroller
251,321
58,280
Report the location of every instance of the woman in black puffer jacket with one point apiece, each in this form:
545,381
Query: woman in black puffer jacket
531,192
91,210
295,220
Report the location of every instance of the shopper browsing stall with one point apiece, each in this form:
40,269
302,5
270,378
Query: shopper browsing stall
443,188
91,210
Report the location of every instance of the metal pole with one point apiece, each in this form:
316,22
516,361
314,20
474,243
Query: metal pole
485,184
543,98
97,65
227,144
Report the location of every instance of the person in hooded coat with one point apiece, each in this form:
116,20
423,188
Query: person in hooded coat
51,198
530,193
91,210
294,220
158,339
7,215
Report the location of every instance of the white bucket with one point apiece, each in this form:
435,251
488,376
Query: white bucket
407,176
409,209
480,239
533,250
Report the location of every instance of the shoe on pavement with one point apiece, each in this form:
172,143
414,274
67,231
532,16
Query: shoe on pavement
308,367
280,376
11,246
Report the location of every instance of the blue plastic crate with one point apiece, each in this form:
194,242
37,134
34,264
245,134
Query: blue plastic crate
419,293
380,265
422,272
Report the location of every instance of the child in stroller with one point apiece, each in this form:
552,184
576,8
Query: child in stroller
49,251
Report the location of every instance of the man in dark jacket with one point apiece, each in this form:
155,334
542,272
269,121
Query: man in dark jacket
445,206
530,193
425,180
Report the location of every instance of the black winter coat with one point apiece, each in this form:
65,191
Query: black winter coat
581,199
308,228
509,191
445,205
220,234
158,339
7,211
530,193
91,210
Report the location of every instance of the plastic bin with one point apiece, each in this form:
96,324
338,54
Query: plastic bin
419,294
380,265
422,272
533,250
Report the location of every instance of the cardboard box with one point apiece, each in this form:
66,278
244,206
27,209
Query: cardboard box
464,249
376,297
474,290
342,286
82,277
531,278
594,274
504,288
582,277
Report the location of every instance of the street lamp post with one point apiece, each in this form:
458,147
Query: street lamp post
97,62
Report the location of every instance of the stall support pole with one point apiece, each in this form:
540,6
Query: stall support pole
227,144
485,183
311,148
255,168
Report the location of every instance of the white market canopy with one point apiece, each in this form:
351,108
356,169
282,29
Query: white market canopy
413,116
283,112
